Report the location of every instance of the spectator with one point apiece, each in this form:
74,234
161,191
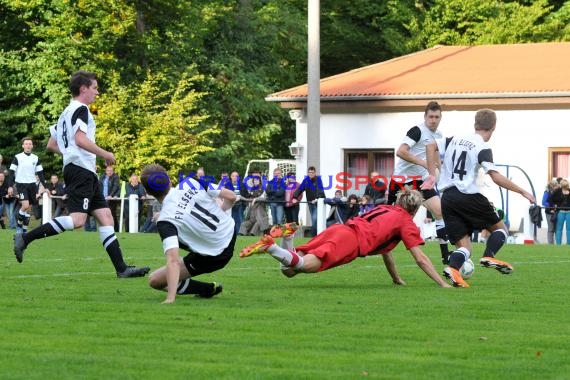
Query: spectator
3,168
376,189
111,187
291,208
136,188
256,219
239,206
561,198
312,186
365,204
3,193
7,201
338,206
152,217
275,191
549,212
56,191
353,208
37,206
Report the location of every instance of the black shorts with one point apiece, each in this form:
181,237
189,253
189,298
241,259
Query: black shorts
198,264
396,186
83,190
27,192
464,213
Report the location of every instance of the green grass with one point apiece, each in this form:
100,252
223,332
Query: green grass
64,315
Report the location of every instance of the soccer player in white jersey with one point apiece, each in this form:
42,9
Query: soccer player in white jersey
23,170
74,138
411,169
464,207
193,218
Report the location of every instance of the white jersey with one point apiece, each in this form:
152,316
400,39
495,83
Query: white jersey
25,167
75,117
463,157
417,138
201,224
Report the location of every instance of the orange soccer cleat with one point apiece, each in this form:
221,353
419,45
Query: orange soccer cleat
283,230
259,246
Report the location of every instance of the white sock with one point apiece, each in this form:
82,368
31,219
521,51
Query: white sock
286,257
287,243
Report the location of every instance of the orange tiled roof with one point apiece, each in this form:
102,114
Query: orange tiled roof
533,69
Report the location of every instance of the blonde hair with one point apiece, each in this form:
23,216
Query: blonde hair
564,184
410,200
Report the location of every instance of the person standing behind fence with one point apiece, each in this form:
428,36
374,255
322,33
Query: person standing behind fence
110,185
549,205
275,191
136,188
561,198
238,207
312,186
291,208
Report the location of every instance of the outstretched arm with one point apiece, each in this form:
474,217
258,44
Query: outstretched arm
426,265
391,268
506,183
228,198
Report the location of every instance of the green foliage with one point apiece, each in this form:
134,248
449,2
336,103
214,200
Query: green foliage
206,66
153,123
66,316
472,22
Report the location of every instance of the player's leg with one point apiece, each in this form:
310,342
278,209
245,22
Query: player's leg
23,215
433,204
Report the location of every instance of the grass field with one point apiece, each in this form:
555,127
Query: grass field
64,315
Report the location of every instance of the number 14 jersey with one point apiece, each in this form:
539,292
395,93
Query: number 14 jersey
462,158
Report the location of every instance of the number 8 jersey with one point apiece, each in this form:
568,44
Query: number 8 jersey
75,117
463,156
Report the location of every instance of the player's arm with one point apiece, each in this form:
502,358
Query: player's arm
391,268
83,142
426,265
404,153
433,163
172,273
52,146
169,235
506,183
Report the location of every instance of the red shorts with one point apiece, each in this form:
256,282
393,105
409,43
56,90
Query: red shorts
337,245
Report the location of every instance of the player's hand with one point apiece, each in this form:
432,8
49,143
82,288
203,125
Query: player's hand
168,301
529,196
429,183
109,158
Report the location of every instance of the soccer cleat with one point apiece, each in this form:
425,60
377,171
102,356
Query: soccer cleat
218,288
133,271
455,277
19,247
259,246
283,230
501,266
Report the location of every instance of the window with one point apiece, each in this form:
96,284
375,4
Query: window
362,163
559,162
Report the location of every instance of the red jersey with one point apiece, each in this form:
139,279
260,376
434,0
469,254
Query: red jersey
383,227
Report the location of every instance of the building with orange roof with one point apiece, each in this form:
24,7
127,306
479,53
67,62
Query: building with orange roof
366,112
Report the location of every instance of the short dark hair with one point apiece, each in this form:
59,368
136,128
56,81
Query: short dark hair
311,168
160,185
432,106
80,78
